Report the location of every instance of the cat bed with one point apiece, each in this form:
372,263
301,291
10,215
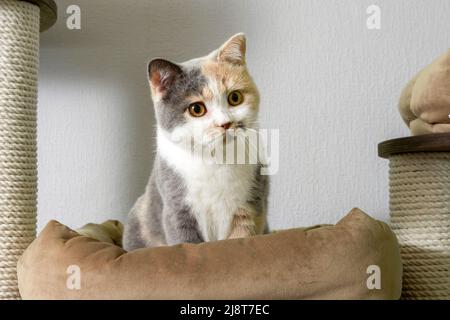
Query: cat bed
425,102
358,258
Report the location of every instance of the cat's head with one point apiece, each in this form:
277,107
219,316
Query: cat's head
200,99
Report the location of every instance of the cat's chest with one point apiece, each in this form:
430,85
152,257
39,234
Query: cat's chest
214,193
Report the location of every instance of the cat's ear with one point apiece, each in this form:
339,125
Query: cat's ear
162,74
233,50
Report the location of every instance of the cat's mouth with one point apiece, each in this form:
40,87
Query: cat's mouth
221,135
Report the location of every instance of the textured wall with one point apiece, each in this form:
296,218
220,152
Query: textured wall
327,82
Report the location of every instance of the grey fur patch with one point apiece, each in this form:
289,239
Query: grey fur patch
161,216
259,192
179,223
132,237
170,110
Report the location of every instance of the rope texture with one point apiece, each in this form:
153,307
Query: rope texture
19,45
420,216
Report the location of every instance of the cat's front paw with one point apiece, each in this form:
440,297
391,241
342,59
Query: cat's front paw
241,233
243,225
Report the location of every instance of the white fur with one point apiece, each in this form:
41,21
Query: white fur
214,191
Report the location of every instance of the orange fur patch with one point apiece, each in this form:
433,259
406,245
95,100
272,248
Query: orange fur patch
207,94
242,225
246,224
230,77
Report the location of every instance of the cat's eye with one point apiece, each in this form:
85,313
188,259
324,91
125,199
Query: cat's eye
235,98
197,109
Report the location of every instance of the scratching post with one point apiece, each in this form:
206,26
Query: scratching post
419,186
20,22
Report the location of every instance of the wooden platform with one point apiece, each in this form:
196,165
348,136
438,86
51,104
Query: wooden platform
49,12
437,142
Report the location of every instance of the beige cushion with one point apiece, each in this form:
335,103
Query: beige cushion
425,102
328,262
109,231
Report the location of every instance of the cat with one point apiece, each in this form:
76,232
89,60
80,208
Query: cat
188,200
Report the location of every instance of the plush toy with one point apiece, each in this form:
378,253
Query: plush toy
425,102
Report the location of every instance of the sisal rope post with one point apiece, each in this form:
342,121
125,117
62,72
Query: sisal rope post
419,188
420,216
19,48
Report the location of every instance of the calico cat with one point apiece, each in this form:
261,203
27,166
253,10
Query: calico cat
187,199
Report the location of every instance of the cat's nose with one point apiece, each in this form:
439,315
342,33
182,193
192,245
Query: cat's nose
226,125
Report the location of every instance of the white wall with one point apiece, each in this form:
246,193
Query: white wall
327,82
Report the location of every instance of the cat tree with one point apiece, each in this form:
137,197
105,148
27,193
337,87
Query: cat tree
20,23
419,173
419,186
